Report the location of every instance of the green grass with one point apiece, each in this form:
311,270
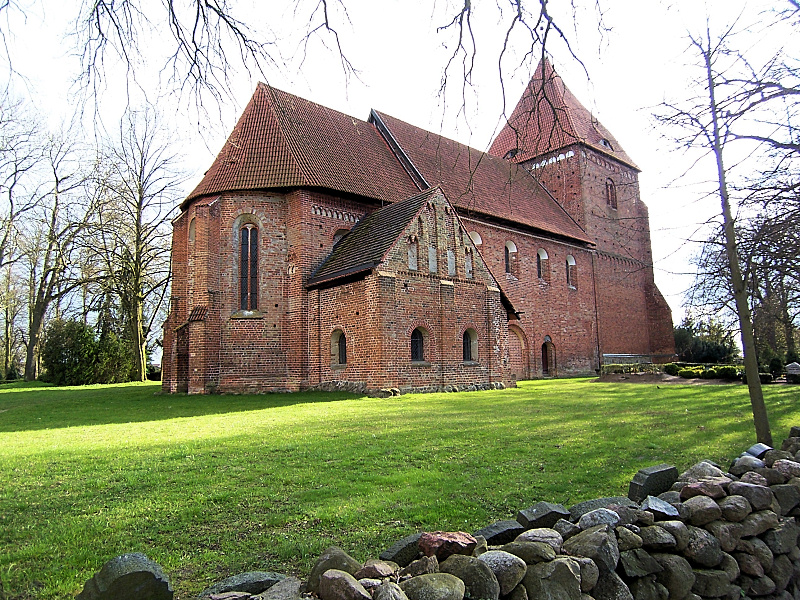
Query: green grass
209,486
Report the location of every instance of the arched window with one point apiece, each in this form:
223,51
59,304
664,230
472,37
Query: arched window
469,345
417,345
542,265
510,257
338,348
475,237
248,268
192,228
571,271
611,194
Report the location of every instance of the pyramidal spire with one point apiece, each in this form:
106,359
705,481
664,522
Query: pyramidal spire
548,117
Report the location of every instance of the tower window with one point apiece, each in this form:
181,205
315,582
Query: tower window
571,271
542,265
611,194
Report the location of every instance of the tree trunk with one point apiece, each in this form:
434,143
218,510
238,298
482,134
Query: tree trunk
32,351
760,418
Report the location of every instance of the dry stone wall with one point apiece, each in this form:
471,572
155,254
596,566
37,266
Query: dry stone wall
707,533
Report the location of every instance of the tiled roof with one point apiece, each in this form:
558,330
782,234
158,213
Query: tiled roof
368,242
547,118
283,141
477,182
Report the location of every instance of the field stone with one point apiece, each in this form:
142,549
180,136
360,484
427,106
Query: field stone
389,590
589,573
647,588
444,544
773,476
730,566
782,538
749,564
530,552
480,582
422,566
541,514
340,585
481,546
758,522
627,540
128,577
701,510
754,477
434,586
559,579
404,551
652,481
578,510
566,528
746,463
772,455
679,531
727,533
699,471
598,543
657,538
660,509
759,496
710,583
788,497
760,550
507,568
638,563
599,516
376,569
787,468
285,589
611,587
333,558
542,534
735,508
677,575
500,532
781,573
760,586
703,548
704,487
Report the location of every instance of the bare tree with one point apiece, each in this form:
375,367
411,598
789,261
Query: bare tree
708,122
140,190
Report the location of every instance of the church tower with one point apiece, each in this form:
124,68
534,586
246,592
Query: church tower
554,137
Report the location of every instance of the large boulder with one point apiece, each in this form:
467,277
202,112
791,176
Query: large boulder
403,551
652,481
703,548
541,514
676,575
542,534
700,510
759,496
783,537
286,589
710,583
531,552
611,587
389,590
443,544
735,508
480,582
638,563
578,510
500,532
338,585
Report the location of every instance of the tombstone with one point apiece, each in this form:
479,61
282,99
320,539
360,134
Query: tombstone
128,577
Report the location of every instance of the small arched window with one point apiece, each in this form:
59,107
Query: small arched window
542,265
192,228
571,271
476,238
248,267
413,254
338,348
510,257
417,345
611,194
469,345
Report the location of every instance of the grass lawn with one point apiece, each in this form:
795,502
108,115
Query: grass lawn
210,486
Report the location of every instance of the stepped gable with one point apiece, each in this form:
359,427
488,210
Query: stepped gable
547,118
283,141
366,245
478,182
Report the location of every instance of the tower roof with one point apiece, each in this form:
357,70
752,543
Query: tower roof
548,117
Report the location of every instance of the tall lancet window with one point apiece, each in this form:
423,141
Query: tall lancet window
248,268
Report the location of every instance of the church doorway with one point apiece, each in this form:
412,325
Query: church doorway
517,354
548,357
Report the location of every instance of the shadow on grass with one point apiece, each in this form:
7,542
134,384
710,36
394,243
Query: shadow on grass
36,406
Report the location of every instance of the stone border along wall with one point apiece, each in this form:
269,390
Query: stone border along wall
702,534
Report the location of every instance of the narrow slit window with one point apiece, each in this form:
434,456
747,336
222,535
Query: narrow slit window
248,268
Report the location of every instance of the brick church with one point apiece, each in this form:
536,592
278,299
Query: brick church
320,249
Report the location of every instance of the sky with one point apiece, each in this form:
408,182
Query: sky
636,61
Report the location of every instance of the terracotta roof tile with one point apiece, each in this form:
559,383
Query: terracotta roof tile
368,242
480,183
549,117
282,141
